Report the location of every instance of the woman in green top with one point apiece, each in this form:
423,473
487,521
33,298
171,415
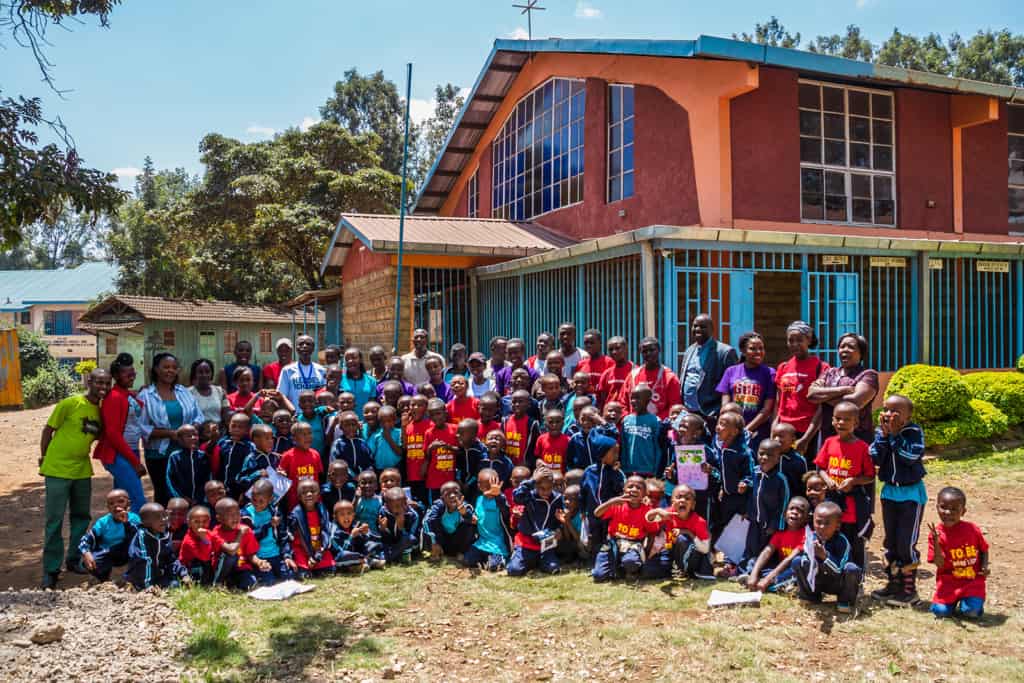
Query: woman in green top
167,405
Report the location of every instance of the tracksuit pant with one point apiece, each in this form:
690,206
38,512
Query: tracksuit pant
617,556
108,558
279,571
73,495
902,522
524,559
492,562
845,586
685,556
455,543
227,573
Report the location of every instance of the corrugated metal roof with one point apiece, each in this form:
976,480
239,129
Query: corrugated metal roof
123,309
507,58
19,289
438,235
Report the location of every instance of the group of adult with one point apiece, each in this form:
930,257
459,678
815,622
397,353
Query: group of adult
136,430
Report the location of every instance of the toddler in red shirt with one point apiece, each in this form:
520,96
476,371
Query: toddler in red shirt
234,548
414,428
442,443
300,462
687,540
959,552
462,406
780,552
628,529
553,445
196,553
309,526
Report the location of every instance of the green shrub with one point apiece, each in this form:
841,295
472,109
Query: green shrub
50,383
84,367
1020,363
1005,390
33,351
938,393
981,420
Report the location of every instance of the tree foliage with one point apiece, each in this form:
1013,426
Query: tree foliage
772,33
447,104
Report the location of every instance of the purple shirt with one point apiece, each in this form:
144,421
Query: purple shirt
503,378
750,388
407,389
443,391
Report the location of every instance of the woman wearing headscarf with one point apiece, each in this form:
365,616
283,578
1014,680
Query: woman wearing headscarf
793,379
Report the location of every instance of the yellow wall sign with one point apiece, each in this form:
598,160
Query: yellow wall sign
888,262
834,260
992,266
935,264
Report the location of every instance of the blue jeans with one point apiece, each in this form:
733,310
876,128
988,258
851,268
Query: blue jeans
971,608
125,477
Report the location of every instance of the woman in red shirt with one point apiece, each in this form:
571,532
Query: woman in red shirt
118,448
793,378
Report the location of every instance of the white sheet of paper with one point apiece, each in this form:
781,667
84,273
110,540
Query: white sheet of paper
280,483
725,598
280,591
733,540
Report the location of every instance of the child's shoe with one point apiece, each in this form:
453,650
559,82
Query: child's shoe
893,585
907,596
377,563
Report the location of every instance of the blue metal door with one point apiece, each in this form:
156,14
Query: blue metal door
727,295
832,302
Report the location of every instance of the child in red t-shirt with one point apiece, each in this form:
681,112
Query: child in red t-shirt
519,474
552,445
489,408
628,529
959,552
196,553
687,540
414,428
309,526
442,443
234,548
462,406
521,430
300,462
845,463
780,552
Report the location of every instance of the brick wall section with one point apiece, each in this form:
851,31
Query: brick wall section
778,299
368,309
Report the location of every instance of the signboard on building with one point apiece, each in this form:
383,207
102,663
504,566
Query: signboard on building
835,260
888,262
992,266
79,346
935,264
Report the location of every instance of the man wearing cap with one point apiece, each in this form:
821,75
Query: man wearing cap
301,375
272,371
479,382
416,360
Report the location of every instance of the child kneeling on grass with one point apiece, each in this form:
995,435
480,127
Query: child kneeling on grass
824,564
538,529
628,529
959,552
450,523
490,550
687,540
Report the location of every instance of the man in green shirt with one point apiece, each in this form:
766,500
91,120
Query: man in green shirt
64,463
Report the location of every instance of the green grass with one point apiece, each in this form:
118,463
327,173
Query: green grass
984,464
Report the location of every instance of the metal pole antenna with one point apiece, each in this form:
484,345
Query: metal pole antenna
402,209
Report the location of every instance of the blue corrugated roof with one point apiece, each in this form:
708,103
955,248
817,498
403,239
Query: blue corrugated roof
20,289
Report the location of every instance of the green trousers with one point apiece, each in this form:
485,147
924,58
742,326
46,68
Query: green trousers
75,495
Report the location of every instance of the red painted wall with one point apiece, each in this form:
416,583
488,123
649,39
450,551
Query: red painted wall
665,187
766,149
361,261
986,197
462,206
924,161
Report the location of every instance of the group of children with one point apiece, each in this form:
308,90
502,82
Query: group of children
541,477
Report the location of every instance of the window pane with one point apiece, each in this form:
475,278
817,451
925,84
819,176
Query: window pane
860,129
615,163
615,189
860,156
627,158
1017,172
810,123
883,187
1015,114
861,210
883,132
627,131
627,101
883,158
811,207
627,185
1016,205
861,185
810,96
881,106
835,207
835,183
835,153
616,103
860,103
810,150
833,99
835,126
885,211
1017,147
811,180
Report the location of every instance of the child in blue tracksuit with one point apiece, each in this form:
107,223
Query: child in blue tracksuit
495,457
270,533
399,526
535,543
591,441
824,565
282,423
493,541
735,469
601,482
338,486
769,496
468,455
644,439
896,452
188,468
450,524
151,559
230,453
354,547
262,458
793,463
105,544
350,445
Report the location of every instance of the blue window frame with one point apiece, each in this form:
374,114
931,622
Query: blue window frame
473,195
1015,115
57,322
538,154
620,142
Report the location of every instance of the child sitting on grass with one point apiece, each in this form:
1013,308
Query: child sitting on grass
106,543
269,533
450,524
177,525
234,548
151,560
352,544
687,540
823,565
538,528
490,550
572,547
628,528
196,554
309,527
399,526
773,571
959,552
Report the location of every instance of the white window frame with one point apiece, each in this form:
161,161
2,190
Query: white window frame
473,195
848,170
622,146
1013,186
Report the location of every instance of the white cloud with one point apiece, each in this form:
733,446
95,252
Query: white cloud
420,110
519,33
260,131
126,172
307,123
584,10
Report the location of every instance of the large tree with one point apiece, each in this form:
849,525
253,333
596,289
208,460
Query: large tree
39,182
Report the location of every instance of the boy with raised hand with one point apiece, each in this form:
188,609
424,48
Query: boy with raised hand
399,527
628,528
824,565
538,528
351,542
151,559
188,468
450,523
491,548
959,552
106,543
687,540
897,452
588,446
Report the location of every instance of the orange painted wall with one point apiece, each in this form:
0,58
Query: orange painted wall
986,198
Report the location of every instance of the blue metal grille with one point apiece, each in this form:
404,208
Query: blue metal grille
498,309
441,306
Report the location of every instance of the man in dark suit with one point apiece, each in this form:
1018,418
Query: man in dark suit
704,363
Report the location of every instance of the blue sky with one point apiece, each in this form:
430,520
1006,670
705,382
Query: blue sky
167,72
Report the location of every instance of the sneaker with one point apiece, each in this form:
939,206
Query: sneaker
50,581
742,579
844,608
891,590
378,563
903,599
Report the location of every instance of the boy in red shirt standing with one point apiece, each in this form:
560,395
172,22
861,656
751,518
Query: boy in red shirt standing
442,443
845,464
414,428
665,386
628,529
521,430
609,385
553,445
959,552
300,462
234,548
598,362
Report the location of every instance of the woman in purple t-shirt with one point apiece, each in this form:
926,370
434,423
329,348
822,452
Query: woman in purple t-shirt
751,384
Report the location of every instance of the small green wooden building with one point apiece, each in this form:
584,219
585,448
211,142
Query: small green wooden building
188,328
